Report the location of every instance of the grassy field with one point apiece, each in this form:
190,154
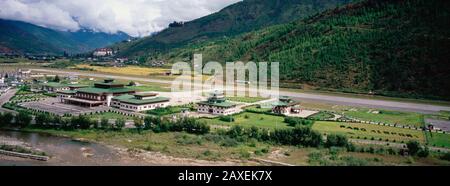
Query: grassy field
128,70
321,116
391,117
438,140
246,99
369,131
110,115
247,119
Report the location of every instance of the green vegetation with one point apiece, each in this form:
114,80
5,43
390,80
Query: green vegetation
294,121
189,125
438,139
169,110
246,99
389,117
40,40
233,20
247,119
369,131
368,46
20,149
321,116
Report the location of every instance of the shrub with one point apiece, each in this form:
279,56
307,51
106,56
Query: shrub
336,141
446,156
226,118
293,121
423,152
413,147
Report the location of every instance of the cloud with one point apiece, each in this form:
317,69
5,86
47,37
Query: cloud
135,17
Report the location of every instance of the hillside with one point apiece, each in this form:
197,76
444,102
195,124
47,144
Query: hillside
396,48
235,19
21,37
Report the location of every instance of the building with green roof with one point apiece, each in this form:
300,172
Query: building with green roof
285,105
139,102
101,94
217,105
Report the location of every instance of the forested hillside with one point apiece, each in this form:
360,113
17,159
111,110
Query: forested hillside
21,37
396,48
244,16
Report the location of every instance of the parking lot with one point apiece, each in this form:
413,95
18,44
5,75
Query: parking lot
52,105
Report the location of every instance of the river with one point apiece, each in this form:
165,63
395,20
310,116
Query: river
63,151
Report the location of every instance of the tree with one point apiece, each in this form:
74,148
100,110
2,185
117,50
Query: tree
57,79
139,124
7,118
424,152
23,119
82,122
41,119
413,147
132,83
2,123
119,124
104,123
336,141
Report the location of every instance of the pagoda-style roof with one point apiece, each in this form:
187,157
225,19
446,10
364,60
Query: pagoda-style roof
133,99
218,99
101,91
285,101
108,83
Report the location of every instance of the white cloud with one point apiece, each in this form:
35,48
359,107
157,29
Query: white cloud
135,17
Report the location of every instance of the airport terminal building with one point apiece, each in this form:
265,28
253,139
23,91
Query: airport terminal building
100,94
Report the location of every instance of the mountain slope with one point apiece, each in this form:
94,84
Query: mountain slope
16,36
390,47
235,19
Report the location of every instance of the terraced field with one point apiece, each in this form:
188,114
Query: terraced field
369,131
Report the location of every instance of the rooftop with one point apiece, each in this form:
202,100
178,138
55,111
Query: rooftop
131,99
225,104
68,91
93,90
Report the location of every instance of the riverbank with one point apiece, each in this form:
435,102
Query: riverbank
66,149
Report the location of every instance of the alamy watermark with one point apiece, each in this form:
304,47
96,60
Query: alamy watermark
252,79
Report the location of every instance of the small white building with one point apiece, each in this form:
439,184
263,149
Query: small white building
217,105
2,80
139,102
103,52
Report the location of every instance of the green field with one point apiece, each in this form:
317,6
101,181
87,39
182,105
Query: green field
247,119
391,117
438,140
369,131
110,115
246,99
321,116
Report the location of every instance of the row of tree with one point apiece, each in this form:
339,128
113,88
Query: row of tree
298,136
190,125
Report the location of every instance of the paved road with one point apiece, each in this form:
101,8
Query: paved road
332,99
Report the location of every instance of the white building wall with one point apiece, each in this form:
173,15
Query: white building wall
138,108
216,110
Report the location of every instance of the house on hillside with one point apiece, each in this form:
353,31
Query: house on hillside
101,52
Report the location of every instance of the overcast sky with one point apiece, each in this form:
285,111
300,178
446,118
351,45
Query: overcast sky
134,17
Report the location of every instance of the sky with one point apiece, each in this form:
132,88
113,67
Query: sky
134,17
